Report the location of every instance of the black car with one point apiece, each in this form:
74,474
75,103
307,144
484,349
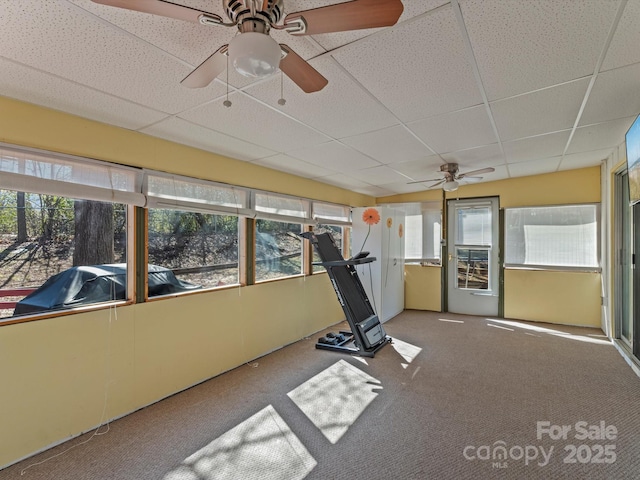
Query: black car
85,285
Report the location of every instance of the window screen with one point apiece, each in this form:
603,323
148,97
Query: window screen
559,236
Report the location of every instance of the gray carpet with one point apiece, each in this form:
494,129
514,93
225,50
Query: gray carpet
454,397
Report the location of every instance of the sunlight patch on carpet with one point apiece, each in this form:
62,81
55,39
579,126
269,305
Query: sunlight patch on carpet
550,331
335,398
262,447
407,351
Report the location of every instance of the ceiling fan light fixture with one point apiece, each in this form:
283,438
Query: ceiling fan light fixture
254,54
450,186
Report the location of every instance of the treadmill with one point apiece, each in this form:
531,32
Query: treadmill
367,335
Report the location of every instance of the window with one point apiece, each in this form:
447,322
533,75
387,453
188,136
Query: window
281,207
63,227
78,248
59,211
337,234
188,251
423,231
278,249
559,236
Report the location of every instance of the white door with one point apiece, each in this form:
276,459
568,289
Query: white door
472,256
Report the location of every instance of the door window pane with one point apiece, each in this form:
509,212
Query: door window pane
474,226
473,268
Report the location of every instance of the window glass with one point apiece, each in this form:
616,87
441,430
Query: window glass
422,232
278,249
560,236
191,250
58,253
336,233
473,268
474,226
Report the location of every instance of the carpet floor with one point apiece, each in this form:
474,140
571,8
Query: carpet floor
453,397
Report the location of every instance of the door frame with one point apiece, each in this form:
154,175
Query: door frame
446,245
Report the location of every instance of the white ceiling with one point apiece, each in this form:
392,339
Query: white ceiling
524,86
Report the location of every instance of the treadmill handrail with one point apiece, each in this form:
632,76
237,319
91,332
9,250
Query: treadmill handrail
342,263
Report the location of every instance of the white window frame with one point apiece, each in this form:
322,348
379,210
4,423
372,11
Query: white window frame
526,266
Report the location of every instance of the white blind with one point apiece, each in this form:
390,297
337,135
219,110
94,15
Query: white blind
422,230
184,193
331,213
27,170
559,236
282,208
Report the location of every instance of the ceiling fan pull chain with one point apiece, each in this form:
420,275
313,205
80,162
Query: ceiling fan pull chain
227,103
282,101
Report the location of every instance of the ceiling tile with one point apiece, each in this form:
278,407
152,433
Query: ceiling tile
295,166
624,45
456,131
614,95
584,159
533,148
544,111
474,158
418,69
335,40
522,46
335,156
33,86
379,175
188,41
343,181
96,54
390,145
403,187
253,122
331,109
417,170
373,190
181,131
535,167
595,137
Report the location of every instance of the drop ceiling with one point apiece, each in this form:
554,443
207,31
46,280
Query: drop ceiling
524,86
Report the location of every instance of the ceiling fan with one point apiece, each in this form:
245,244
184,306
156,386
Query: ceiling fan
253,53
450,181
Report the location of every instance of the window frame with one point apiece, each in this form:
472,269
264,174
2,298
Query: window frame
565,268
137,198
427,231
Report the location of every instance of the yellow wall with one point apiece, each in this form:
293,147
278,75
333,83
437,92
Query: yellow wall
555,297
37,127
548,296
54,372
571,186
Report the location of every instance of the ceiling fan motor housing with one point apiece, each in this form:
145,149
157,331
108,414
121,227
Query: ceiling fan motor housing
239,11
449,169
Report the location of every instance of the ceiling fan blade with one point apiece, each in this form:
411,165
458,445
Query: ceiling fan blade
163,8
208,70
475,172
438,183
353,15
299,70
429,180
